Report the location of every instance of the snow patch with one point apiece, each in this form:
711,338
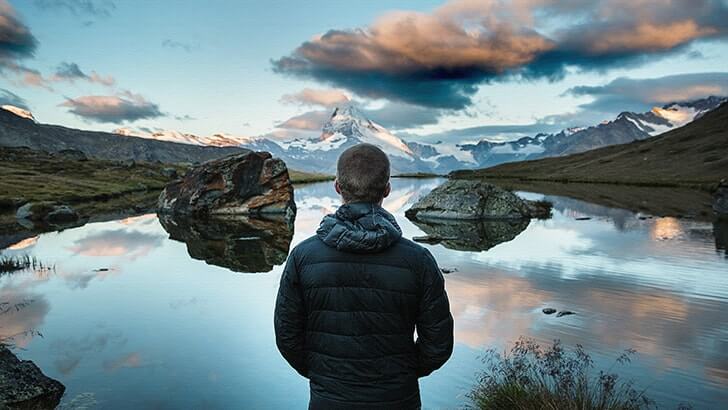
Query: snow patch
19,111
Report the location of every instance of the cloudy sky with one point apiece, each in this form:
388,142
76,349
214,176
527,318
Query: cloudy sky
460,69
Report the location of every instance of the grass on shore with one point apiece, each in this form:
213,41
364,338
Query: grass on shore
300,177
532,377
15,263
35,176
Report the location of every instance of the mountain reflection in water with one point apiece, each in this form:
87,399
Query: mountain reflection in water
129,313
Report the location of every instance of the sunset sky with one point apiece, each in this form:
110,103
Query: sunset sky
426,69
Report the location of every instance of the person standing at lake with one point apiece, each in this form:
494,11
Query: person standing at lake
351,297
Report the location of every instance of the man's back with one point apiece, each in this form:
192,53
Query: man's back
349,302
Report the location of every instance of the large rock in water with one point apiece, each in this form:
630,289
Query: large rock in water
470,199
252,183
24,386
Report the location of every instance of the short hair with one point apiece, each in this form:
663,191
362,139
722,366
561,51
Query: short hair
363,173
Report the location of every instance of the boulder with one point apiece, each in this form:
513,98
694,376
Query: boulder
47,212
720,199
24,386
252,183
474,200
241,244
61,214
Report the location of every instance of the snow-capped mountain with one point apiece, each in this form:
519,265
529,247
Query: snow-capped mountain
347,126
215,140
18,111
627,127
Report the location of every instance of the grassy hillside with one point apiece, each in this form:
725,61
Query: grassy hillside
36,176
693,155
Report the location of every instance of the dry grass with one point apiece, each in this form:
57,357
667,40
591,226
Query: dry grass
531,377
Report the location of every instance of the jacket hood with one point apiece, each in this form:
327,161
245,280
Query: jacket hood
359,228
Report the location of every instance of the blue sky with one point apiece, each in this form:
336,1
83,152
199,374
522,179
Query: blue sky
223,66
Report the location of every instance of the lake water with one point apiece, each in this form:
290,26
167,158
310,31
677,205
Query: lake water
128,319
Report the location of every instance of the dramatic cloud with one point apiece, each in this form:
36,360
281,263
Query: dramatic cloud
9,98
440,59
310,121
17,43
116,109
636,94
311,97
96,8
16,40
177,45
72,72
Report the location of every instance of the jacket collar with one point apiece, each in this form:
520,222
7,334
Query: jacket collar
359,227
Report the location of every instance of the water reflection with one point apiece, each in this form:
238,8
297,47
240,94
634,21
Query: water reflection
242,244
158,320
720,231
22,313
472,235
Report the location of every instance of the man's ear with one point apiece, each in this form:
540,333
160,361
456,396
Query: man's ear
387,190
337,187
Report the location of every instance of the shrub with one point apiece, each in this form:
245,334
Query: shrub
532,377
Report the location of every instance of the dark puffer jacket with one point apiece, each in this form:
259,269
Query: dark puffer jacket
349,301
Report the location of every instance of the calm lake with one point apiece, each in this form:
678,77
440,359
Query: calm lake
128,319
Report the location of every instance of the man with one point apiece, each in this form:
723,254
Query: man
351,297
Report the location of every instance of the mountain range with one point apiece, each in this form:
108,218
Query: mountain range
346,127
18,128
693,155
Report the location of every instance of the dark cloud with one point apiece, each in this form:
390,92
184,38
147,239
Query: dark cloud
72,72
439,59
639,94
185,117
397,116
116,109
16,40
95,8
173,44
16,43
10,98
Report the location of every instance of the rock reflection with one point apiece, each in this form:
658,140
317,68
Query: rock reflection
240,244
465,235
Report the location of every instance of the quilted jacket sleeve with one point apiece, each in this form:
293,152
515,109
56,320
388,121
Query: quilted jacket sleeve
290,319
434,321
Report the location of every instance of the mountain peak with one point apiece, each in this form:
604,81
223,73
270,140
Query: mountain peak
348,111
19,112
